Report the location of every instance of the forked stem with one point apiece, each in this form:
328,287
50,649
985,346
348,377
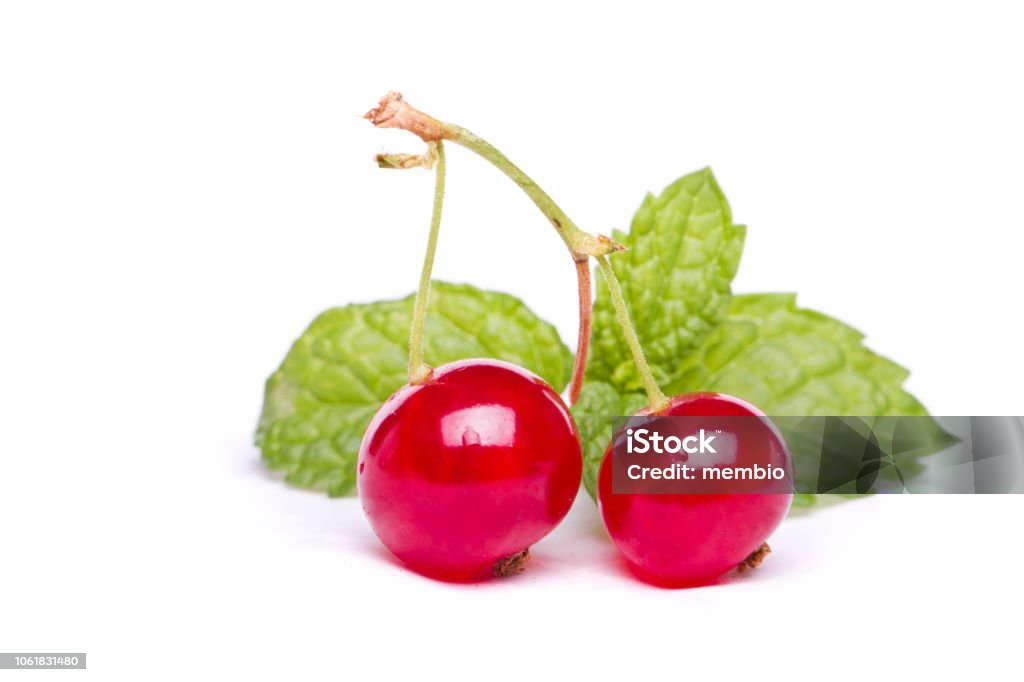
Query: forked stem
394,112
655,398
419,371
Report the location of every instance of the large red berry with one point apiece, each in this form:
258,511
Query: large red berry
677,539
460,474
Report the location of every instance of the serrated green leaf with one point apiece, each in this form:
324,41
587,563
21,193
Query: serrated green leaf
683,253
350,359
793,361
787,361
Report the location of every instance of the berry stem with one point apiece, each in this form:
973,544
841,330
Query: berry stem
580,244
419,371
579,366
655,398
394,112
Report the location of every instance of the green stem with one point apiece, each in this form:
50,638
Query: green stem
577,241
581,244
395,112
419,371
655,398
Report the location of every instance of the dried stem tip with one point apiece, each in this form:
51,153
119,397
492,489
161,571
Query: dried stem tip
394,112
755,558
512,564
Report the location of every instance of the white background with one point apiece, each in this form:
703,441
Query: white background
184,186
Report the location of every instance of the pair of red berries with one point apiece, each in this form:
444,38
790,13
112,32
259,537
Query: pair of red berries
460,474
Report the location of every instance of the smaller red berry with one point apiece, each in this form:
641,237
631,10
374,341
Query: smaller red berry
678,539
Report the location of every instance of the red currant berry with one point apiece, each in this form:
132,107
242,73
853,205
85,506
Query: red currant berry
460,474
679,539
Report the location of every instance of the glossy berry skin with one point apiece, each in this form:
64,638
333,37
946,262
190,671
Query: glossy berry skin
678,540
469,468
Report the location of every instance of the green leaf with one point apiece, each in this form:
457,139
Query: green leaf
804,500
683,253
787,361
598,403
350,359
793,361
847,454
